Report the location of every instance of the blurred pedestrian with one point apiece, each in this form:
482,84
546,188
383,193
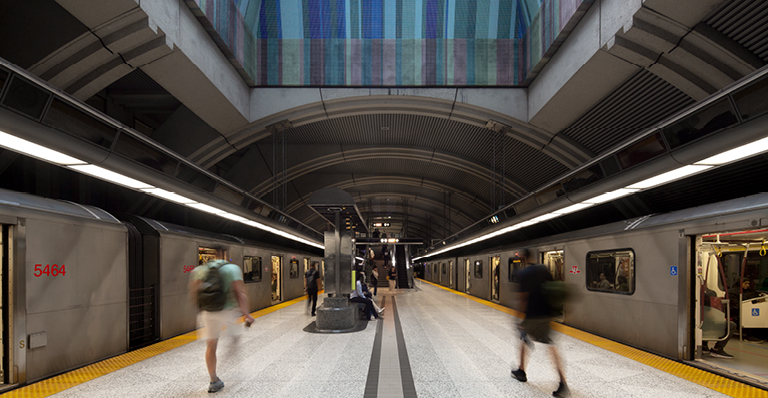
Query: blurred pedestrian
218,290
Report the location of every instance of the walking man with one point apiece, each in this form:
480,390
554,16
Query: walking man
312,277
218,290
535,325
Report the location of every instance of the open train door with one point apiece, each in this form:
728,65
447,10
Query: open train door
712,310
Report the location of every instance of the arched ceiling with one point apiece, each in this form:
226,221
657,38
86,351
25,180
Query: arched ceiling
434,161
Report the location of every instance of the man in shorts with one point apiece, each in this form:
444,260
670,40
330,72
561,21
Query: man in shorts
214,322
533,303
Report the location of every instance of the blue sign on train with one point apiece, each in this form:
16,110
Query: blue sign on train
673,270
755,311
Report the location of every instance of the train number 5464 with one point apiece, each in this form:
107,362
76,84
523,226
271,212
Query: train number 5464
50,270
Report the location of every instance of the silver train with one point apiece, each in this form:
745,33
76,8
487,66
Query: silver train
657,269
79,285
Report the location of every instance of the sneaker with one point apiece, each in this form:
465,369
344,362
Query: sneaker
720,354
705,348
562,391
381,310
215,385
519,375
753,339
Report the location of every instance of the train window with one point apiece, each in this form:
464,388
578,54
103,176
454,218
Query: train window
611,271
554,262
645,149
294,268
710,119
444,272
205,254
479,269
752,101
516,265
251,269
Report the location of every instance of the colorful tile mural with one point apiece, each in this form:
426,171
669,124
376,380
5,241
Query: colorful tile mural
388,43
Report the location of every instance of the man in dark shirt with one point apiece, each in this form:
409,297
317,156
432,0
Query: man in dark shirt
533,302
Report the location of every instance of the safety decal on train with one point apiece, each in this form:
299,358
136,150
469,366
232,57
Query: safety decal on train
755,311
575,270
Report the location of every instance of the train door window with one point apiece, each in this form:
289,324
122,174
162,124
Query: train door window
611,271
496,274
251,269
306,269
294,268
443,272
277,263
554,262
479,269
435,276
516,265
322,272
450,273
205,254
468,271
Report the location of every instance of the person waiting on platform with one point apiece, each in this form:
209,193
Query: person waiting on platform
369,296
375,279
358,296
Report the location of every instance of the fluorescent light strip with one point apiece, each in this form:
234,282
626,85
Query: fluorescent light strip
233,217
734,154
672,175
36,151
162,193
610,196
110,176
574,208
545,217
206,208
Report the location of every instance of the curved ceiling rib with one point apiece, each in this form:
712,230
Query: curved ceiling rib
558,147
424,155
400,180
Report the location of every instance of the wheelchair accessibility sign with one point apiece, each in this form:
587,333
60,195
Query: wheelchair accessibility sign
755,311
673,270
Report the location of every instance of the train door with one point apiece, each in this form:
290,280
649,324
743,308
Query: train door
495,275
450,274
306,269
468,271
5,251
554,262
731,300
277,266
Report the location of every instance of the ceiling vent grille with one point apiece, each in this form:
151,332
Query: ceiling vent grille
638,104
746,22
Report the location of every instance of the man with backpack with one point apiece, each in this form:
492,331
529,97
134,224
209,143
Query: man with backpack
218,290
312,277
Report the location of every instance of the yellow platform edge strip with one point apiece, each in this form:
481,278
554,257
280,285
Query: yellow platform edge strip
701,377
76,377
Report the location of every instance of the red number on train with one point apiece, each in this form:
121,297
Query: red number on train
188,268
49,270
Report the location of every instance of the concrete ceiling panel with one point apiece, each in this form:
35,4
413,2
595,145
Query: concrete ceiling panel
686,12
95,13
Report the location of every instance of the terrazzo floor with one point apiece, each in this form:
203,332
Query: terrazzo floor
456,347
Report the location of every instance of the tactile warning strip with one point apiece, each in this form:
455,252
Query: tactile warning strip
67,380
710,380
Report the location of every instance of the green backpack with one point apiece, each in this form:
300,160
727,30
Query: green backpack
212,296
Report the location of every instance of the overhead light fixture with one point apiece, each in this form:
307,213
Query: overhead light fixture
734,154
233,217
162,193
110,176
36,151
206,208
611,196
574,208
545,217
668,176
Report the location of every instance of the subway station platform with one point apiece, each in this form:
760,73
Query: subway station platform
431,342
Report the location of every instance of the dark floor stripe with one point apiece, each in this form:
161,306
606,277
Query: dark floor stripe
372,384
409,390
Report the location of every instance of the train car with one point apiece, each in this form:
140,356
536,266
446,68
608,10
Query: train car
79,285
659,283
165,254
64,298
